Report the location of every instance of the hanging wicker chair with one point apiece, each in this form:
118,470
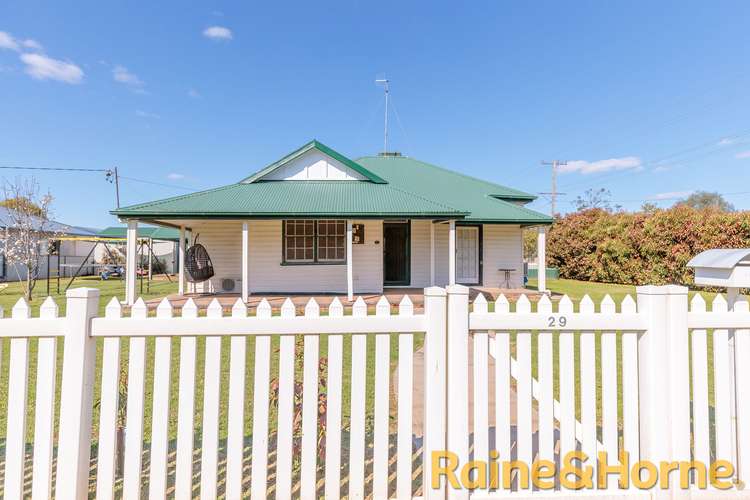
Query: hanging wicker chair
198,263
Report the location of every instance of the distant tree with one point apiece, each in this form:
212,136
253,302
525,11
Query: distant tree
594,198
529,245
649,207
23,204
707,199
27,230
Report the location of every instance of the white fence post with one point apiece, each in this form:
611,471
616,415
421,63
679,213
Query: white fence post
76,396
434,392
663,374
458,378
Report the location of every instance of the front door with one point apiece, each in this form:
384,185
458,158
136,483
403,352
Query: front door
396,244
467,255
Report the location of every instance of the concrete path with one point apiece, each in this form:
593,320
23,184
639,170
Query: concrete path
418,395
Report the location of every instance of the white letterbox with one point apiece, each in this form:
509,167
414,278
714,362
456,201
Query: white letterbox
721,267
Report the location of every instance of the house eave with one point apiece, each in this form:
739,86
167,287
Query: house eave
290,215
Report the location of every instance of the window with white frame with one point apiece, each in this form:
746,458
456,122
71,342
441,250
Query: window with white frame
308,241
299,240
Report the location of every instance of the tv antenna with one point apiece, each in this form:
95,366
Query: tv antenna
385,82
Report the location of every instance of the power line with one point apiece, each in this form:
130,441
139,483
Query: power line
162,184
16,167
112,176
712,92
717,147
671,198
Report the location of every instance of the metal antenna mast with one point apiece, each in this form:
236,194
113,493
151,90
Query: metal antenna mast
553,194
385,128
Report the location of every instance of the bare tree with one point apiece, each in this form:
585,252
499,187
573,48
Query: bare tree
593,198
27,230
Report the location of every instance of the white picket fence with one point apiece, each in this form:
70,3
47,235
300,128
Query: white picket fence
651,360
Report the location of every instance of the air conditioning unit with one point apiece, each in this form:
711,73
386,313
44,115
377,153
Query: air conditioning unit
230,285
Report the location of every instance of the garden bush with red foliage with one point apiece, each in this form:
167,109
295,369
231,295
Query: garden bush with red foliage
641,247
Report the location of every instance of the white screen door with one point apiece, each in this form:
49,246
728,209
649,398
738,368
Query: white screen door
467,254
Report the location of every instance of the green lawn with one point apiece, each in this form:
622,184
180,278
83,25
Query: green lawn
577,289
110,288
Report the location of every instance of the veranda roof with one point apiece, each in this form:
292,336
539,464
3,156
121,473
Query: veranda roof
154,233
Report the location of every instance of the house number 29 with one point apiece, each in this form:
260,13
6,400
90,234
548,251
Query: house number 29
557,321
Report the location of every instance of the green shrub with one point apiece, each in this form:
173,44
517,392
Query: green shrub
641,247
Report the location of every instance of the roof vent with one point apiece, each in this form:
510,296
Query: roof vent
389,153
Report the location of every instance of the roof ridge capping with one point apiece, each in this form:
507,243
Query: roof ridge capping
315,144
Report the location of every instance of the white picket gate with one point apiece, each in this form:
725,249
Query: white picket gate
658,399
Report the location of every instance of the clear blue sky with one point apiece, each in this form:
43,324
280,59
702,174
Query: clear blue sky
649,100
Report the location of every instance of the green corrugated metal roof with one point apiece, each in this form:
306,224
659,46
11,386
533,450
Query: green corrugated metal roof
484,201
155,233
298,199
398,187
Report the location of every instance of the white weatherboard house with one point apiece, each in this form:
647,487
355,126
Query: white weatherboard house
318,222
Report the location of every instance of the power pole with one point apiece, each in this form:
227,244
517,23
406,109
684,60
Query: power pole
114,177
553,194
117,187
385,130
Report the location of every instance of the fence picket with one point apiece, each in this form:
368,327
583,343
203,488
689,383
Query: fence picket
134,417
284,443
609,385
742,394
631,435
523,388
186,410
502,385
160,411
44,419
333,413
588,384
236,409
404,445
211,391
381,417
566,354
18,374
357,420
310,389
701,438
722,383
545,376
110,395
259,473
480,384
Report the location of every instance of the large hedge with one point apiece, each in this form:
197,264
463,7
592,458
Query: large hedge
642,247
